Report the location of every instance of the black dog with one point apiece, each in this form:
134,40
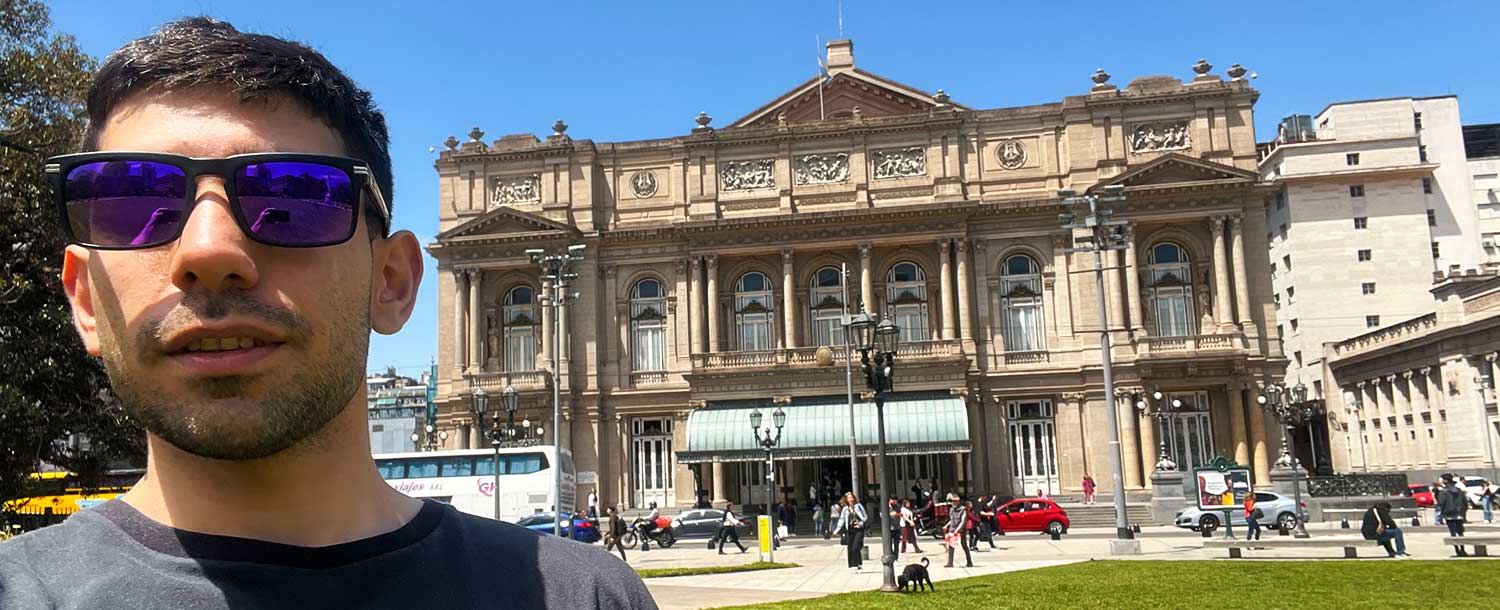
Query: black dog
915,574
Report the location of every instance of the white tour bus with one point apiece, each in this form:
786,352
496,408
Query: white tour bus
465,478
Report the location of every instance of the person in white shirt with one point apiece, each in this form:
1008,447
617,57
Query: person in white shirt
852,523
908,527
727,529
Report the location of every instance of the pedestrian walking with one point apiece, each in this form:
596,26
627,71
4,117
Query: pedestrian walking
615,532
592,509
985,516
1380,527
1253,515
908,527
852,525
818,520
1088,489
971,525
1437,514
953,532
728,529
1487,502
1453,504
893,510
835,512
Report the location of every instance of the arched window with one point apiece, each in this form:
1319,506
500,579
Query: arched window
520,329
1171,284
906,299
648,327
754,315
1021,302
828,307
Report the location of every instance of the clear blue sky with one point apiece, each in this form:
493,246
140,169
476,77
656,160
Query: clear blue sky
629,70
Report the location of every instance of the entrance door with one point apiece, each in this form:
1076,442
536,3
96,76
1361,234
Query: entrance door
653,461
1033,447
908,470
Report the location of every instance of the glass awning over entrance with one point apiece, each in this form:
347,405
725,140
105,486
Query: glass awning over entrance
818,427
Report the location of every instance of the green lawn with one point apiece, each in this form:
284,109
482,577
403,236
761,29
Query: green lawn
1120,585
749,567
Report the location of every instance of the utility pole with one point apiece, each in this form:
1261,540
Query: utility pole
555,281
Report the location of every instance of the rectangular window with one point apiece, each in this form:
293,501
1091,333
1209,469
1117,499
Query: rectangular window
1286,261
1294,325
1364,256
1351,159
1291,294
1435,250
1422,153
1427,185
1281,231
1361,222
1356,190
1417,121
1280,199
1431,218
1372,321
1367,288
1297,355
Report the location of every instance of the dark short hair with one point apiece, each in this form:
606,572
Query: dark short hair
202,53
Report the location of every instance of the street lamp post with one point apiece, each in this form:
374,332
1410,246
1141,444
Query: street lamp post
1102,236
508,399
769,442
556,273
1290,408
848,323
877,355
479,401
429,441
1156,405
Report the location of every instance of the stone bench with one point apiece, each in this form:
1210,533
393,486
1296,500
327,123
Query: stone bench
1480,543
1235,545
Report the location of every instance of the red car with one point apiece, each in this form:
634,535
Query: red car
1032,515
1422,494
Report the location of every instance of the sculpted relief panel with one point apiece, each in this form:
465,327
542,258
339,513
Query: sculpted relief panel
643,183
747,175
828,168
1011,154
1165,135
900,162
505,190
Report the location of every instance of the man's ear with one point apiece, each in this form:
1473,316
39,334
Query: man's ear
75,281
397,273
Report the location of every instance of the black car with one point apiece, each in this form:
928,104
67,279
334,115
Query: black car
704,523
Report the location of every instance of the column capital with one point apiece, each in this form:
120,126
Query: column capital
697,403
610,271
1407,375
864,252
1360,384
944,245
1489,358
979,246
1061,240
695,264
712,261
1426,371
786,257
680,265
1129,232
1236,222
963,245
1389,379
1216,225
1078,397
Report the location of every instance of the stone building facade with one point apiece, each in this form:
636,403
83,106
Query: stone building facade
719,262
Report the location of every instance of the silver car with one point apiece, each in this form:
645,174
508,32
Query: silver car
1277,508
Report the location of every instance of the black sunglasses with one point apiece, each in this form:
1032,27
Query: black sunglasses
132,200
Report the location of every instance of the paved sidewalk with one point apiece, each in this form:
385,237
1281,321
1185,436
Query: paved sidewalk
823,568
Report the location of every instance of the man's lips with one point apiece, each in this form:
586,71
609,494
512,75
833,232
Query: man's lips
221,337
238,361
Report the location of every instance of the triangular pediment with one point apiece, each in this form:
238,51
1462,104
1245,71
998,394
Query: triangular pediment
503,221
1176,168
842,92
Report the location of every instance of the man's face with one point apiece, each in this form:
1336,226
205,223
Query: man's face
172,323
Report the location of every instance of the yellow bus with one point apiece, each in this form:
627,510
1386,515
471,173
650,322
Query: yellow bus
61,493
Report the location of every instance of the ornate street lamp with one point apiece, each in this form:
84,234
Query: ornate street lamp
1156,405
1290,408
877,354
769,442
480,403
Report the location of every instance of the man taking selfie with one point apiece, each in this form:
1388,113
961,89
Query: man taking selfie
231,250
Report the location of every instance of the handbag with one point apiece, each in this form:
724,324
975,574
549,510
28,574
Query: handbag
952,539
844,538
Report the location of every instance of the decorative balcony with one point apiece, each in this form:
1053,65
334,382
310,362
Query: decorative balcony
521,380
647,378
806,357
1025,358
1169,347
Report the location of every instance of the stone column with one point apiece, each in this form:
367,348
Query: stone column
461,320
547,322
945,272
1129,450
695,304
1258,449
1237,424
1434,400
866,280
622,328
611,339
1221,276
476,320
1424,444
1112,290
1392,427
719,498
788,299
1149,449
984,311
965,318
1133,285
1063,286
712,306
563,336
1241,279
465,436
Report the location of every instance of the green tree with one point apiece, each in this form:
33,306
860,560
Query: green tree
53,394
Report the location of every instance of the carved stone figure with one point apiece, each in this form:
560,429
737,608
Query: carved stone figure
516,189
822,168
747,175
1151,137
900,162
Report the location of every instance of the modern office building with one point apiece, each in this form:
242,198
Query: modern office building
399,406
715,281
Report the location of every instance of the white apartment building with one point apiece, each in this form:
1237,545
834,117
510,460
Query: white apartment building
1370,199
1482,147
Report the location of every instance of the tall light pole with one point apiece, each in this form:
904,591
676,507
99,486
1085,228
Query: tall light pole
508,399
849,323
769,442
1290,408
479,402
1101,237
877,356
555,277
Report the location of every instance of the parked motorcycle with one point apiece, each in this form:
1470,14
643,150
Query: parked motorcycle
662,536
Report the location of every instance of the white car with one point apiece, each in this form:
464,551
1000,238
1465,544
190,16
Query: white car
1277,508
1473,487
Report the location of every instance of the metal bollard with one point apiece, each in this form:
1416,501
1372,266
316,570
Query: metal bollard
1055,535
1416,521
1282,530
1344,523
1208,533
1136,527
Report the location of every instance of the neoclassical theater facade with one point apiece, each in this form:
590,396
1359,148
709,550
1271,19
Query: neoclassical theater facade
719,263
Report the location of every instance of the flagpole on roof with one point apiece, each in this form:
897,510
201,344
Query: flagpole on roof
823,70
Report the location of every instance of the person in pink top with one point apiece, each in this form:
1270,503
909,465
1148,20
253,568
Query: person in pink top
1088,489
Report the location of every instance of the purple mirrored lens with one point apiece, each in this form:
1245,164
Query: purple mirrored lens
117,204
296,204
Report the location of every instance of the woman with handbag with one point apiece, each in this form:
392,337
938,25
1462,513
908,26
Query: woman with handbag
953,532
1253,515
851,526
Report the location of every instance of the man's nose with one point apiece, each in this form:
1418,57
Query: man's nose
213,253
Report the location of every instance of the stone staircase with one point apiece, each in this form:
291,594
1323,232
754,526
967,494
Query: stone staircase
1102,514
